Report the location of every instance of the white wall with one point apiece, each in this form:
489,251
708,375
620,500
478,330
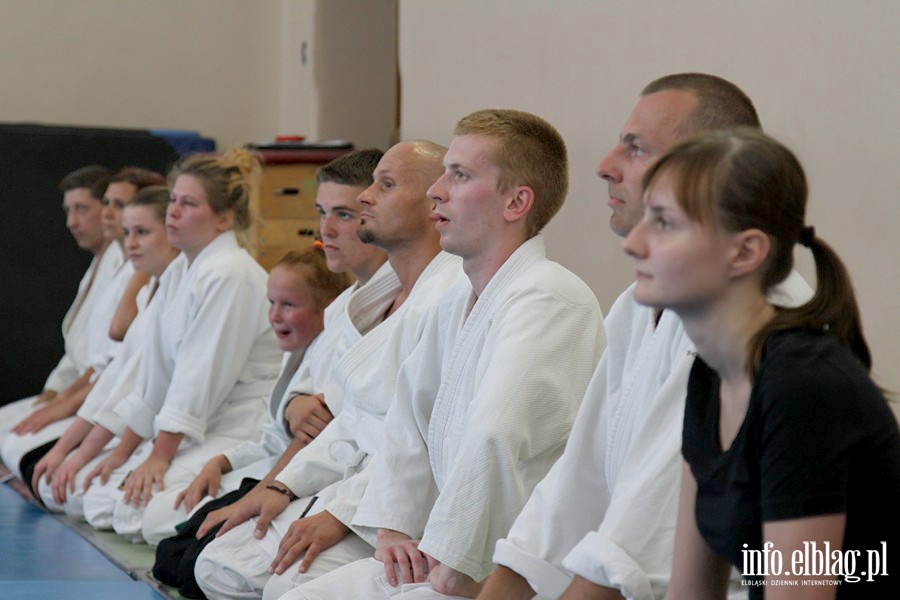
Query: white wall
339,70
231,69
207,65
356,71
299,102
823,74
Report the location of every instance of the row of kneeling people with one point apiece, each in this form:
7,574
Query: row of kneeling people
460,420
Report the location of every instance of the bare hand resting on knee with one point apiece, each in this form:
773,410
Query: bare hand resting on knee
308,536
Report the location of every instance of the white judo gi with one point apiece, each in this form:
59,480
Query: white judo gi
115,382
333,466
607,509
302,372
483,409
206,371
78,327
102,348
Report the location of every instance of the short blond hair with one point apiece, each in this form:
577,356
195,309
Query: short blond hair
529,152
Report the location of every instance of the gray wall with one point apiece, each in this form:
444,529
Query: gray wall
823,74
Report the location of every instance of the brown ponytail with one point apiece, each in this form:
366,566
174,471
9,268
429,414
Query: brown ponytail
743,179
832,308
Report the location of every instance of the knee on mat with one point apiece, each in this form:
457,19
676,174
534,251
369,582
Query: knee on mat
218,579
98,509
159,521
279,585
127,519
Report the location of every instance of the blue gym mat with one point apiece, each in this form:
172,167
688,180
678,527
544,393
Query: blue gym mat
42,558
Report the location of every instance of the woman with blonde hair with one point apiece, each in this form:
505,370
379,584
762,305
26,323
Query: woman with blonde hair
211,358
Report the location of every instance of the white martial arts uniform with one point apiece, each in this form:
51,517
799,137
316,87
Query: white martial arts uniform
607,509
74,361
484,407
100,351
102,348
305,371
78,328
119,377
333,466
205,372
116,381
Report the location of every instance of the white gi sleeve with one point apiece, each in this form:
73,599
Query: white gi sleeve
107,416
62,376
270,445
632,549
178,394
402,474
344,504
275,437
319,464
569,502
211,355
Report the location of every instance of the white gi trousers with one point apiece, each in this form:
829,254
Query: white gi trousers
103,505
15,447
74,504
362,580
237,566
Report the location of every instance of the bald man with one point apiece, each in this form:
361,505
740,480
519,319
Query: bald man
486,402
383,323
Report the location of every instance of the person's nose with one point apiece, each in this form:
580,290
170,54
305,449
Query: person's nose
274,313
326,226
609,168
366,196
438,191
106,213
635,243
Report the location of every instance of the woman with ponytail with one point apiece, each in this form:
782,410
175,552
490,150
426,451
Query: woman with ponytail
211,358
790,449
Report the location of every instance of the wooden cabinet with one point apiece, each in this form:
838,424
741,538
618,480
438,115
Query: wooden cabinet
288,219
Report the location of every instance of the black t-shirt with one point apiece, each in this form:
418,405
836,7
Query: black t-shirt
818,438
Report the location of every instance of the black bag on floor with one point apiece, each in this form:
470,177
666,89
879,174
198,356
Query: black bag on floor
176,556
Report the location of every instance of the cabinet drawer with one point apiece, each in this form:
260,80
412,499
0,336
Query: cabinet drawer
286,232
267,256
288,191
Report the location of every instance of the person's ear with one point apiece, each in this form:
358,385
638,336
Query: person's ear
225,221
518,203
751,248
